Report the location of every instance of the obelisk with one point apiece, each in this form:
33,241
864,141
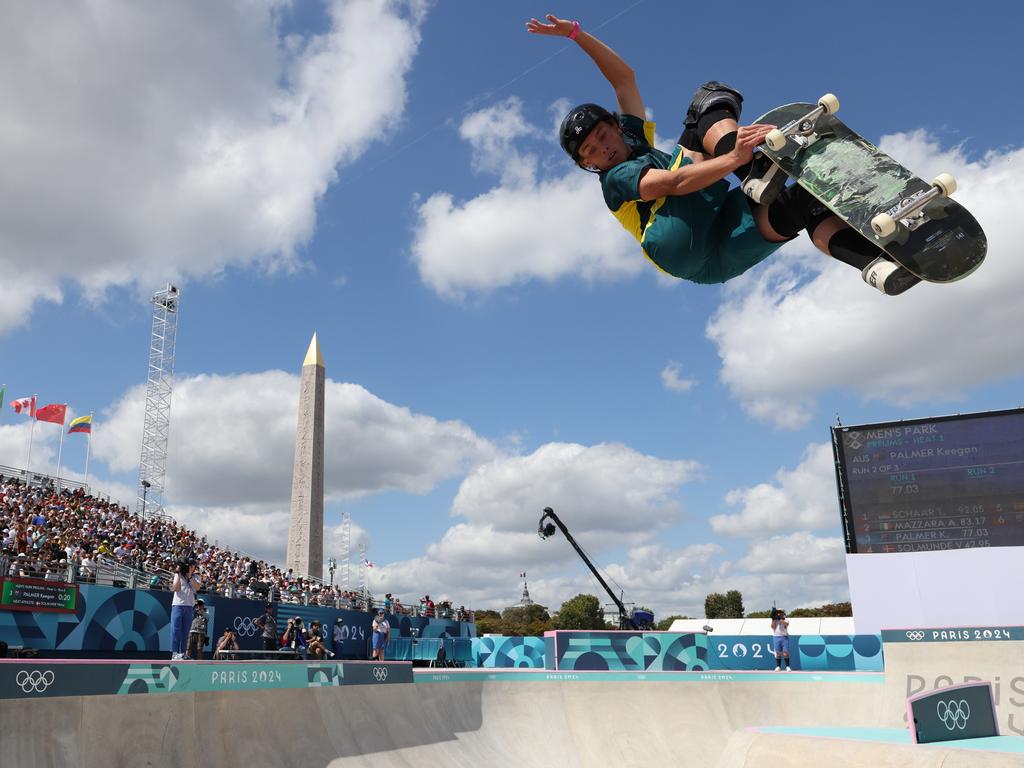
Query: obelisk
306,528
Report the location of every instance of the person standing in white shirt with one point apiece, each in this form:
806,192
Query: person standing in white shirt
185,586
780,632
381,632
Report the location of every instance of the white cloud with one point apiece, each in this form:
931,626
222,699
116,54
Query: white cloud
232,441
261,530
524,228
171,139
493,133
607,496
800,552
799,499
601,488
803,325
612,497
14,452
671,380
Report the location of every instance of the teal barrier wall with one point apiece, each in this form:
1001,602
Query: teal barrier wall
628,651
650,651
113,621
818,653
21,680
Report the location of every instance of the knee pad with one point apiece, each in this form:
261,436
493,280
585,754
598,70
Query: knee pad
711,96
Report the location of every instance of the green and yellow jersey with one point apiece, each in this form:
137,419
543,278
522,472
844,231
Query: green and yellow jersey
707,236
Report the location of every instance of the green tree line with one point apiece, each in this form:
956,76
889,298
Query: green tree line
584,612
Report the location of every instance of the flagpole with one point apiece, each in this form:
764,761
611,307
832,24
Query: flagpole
88,448
60,449
31,434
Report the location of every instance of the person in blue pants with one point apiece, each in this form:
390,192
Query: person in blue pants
185,585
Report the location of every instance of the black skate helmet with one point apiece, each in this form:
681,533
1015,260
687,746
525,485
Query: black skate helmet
578,124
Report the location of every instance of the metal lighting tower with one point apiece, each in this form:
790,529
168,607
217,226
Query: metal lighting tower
364,587
346,550
157,425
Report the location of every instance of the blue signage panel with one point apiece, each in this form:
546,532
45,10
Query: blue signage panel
951,634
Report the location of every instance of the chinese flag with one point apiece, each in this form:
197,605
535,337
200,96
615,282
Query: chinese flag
54,413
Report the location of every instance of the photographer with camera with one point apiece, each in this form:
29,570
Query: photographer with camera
316,646
197,634
268,624
227,643
185,586
294,637
780,632
339,636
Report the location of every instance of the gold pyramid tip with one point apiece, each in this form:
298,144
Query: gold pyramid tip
313,356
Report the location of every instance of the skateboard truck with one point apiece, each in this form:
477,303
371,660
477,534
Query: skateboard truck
910,212
801,130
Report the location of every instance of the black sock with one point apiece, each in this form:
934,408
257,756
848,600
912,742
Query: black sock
850,247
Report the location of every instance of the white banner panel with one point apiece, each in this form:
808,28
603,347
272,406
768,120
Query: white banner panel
946,588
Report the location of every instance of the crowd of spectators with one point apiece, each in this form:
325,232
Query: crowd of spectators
69,535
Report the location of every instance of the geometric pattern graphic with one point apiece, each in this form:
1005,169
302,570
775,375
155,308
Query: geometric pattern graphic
840,653
629,651
323,675
673,652
128,620
149,678
509,652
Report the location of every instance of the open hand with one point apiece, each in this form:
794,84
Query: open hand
558,27
748,137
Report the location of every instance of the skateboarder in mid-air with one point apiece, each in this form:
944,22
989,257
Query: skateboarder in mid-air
679,206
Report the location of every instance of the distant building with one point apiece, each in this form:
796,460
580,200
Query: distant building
525,601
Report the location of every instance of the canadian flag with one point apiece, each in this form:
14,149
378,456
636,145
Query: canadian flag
26,405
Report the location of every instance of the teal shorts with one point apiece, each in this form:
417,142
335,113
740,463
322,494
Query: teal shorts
734,243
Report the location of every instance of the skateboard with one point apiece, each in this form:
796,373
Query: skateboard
918,224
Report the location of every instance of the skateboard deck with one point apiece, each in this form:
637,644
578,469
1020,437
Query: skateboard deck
857,182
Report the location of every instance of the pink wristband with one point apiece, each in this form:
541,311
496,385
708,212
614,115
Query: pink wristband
575,30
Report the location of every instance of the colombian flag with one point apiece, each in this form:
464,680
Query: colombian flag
81,424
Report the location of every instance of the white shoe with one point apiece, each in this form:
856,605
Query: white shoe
788,669
765,180
888,276
177,657
777,669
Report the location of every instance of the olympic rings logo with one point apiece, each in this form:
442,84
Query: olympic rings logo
380,674
915,635
953,714
245,626
34,681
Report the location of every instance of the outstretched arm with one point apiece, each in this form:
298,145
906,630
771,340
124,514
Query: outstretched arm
614,68
691,177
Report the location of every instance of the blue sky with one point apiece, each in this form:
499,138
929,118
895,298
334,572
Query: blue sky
386,174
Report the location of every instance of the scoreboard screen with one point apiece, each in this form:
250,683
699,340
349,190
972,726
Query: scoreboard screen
929,484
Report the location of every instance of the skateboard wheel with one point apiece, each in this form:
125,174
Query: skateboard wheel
776,139
946,184
883,225
830,103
